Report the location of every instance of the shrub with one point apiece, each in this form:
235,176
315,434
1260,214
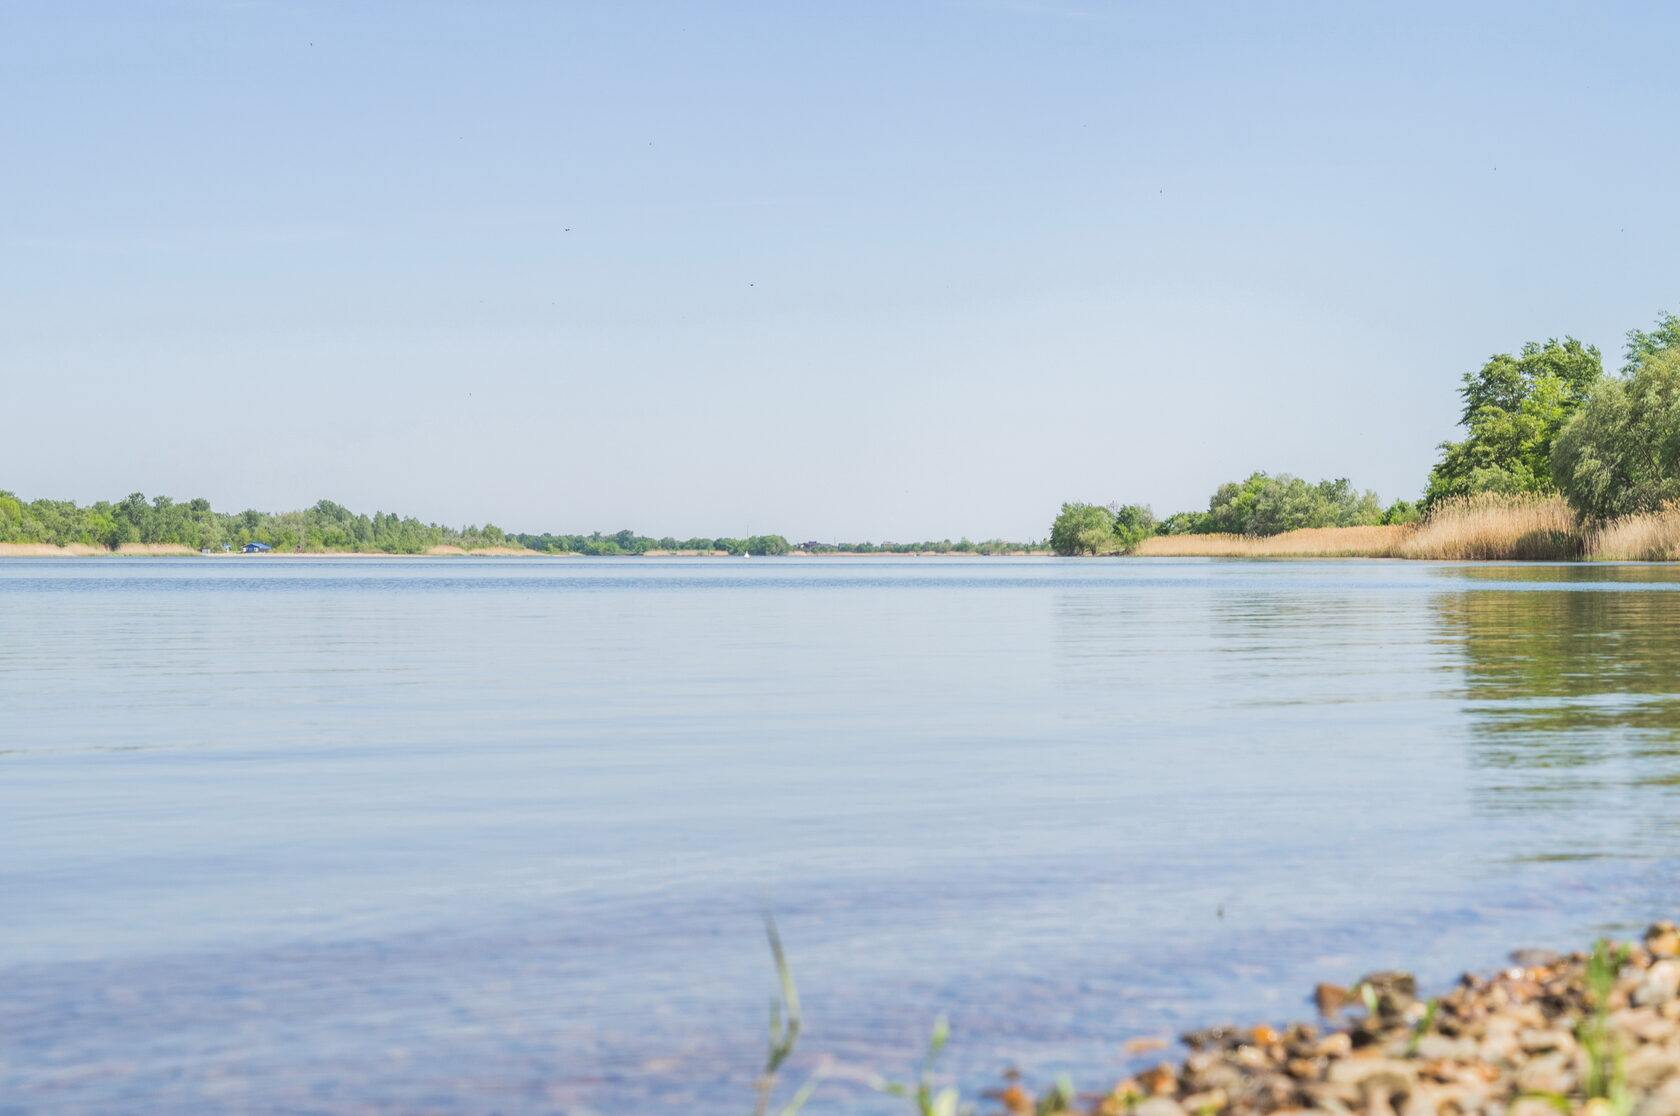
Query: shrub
1620,454
1268,505
1514,407
1082,529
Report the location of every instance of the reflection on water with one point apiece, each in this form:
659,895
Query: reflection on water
394,836
1571,681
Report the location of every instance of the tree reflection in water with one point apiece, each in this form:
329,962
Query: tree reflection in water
1571,684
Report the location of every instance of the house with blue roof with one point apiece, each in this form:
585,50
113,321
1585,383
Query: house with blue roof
255,547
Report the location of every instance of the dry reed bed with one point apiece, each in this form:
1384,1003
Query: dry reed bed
1309,542
1500,528
83,550
48,550
479,551
1638,538
1477,528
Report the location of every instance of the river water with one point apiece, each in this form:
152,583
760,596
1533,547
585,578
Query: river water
468,836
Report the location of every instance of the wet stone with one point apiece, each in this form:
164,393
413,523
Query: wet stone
1535,958
1659,985
1330,998
1503,1044
1662,939
1159,1106
1650,1066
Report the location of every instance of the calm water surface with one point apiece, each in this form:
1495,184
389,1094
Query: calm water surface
470,836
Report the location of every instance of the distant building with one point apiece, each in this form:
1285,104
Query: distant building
255,547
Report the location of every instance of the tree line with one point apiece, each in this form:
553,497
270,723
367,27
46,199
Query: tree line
1544,420
194,523
328,527
628,542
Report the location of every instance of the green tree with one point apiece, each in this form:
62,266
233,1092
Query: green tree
1083,529
11,518
1402,511
1642,344
1620,453
1132,524
1184,523
1269,505
1514,407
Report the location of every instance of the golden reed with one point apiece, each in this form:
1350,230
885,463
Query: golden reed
1487,527
1654,537
1309,542
1498,528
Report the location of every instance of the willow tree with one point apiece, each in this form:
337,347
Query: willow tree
1620,454
1514,408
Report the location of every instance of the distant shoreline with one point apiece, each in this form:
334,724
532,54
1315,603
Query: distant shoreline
167,550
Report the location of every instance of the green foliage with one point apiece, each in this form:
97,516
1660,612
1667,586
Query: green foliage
1514,408
1620,453
1424,1025
1402,511
332,527
1132,524
1058,1099
1268,505
927,1101
1184,523
324,527
1089,529
1083,529
786,1021
1606,1077
942,546
628,542
1642,344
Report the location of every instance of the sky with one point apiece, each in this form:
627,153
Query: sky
834,270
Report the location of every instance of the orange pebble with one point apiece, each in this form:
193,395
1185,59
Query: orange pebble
1161,1081
1015,1099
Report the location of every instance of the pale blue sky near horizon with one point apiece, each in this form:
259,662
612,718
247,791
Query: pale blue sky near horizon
834,270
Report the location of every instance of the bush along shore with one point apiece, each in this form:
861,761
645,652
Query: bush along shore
1559,461
1484,527
1592,1033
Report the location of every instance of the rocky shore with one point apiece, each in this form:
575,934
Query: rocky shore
1594,1034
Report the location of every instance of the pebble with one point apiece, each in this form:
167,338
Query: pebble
1660,984
1330,998
1665,1101
1490,1046
1662,939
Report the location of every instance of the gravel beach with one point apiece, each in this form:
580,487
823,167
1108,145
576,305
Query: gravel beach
1594,1033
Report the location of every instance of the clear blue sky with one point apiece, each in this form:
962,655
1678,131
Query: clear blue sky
837,270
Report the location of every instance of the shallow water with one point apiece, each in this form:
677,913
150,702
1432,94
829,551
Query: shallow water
464,836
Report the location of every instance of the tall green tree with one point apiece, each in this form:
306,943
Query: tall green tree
1132,524
1620,453
1514,407
1648,343
1083,529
